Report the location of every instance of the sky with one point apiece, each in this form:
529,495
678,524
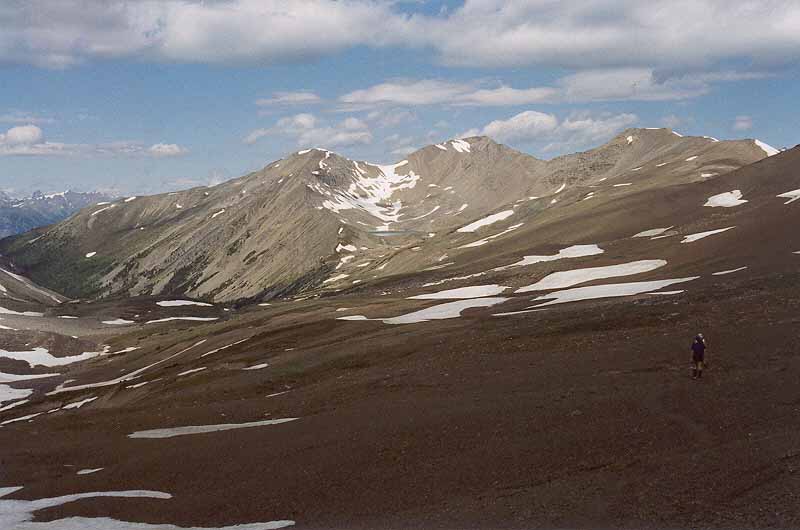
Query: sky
147,96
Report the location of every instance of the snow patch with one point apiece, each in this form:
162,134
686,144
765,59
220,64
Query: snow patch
731,271
472,227
437,312
181,303
613,290
726,200
563,279
202,429
476,291
653,232
691,238
791,195
766,148
575,251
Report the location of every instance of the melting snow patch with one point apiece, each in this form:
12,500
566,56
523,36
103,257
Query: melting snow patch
623,184
629,139
179,303
42,357
19,514
560,280
91,254
89,471
218,213
335,278
723,273
130,199
476,291
13,378
691,158
653,232
101,210
118,322
440,146
472,227
613,290
349,248
791,195
662,164
575,251
691,238
708,175
4,311
559,190
485,240
12,394
766,148
202,429
461,146
726,200
256,366
79,404
194,319
437,312
192,371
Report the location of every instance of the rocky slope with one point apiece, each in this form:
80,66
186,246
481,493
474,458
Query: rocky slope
318,221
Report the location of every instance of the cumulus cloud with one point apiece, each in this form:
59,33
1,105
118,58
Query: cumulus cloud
28,140
300,97
307,131
166,150
743,123
553,134
22,135
583,34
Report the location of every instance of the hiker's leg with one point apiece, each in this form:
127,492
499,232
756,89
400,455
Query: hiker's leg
700,369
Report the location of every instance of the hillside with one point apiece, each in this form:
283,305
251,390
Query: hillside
316,220
537,380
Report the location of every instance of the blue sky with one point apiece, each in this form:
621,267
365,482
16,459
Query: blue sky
148,96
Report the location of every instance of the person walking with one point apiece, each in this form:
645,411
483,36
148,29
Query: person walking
698,356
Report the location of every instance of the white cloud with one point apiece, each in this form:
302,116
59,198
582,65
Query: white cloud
576,131
22,135
166,150
28,140
300,97
307,131
675,34
525,126
634,84
743,123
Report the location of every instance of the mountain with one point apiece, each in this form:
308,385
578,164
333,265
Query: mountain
318,221
21,215
536,377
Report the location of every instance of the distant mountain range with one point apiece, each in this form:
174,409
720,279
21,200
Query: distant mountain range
19,215
316,222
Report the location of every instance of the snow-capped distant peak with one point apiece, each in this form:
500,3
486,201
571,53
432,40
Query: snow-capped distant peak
766,148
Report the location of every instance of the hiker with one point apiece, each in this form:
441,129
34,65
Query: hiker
698,356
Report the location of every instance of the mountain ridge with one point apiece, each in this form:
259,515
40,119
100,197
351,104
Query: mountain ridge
316,220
